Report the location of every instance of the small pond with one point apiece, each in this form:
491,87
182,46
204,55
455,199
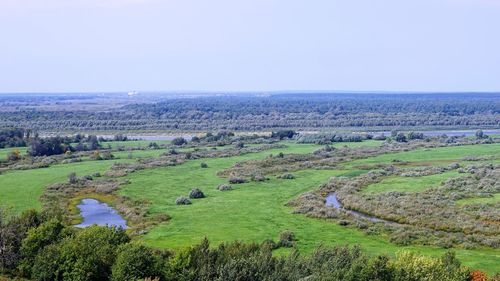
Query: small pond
96,212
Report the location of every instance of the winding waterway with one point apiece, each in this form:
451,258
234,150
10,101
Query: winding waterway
332,201
96,212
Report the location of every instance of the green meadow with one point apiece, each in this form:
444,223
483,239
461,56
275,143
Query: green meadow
409,184
252,211
256,211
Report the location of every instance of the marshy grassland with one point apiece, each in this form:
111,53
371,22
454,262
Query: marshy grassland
257,210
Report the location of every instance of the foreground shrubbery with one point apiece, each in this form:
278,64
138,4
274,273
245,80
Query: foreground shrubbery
39,247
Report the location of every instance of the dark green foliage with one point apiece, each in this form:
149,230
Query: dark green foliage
182,201
37,239
13,137
400,137
277,111
196,193
415,136
283,134
287,176
12,232
237,180
90,254
224,187
72,179
135,262
179,141
287,239
204,165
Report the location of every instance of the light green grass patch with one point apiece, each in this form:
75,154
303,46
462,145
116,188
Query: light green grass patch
432,156
480,200
20,190
409,184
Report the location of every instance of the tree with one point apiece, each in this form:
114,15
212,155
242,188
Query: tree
134,262
401,137
37,239
72,179
196,193
90,254
179,141
14,155
479,134
281,134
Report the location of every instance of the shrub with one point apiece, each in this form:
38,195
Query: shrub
204,165
237,180
14,155
287,176
196,193
224,187
179,141
287,239
258,178
72,179
182,201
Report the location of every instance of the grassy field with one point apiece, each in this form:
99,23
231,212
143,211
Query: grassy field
5,151
427,157
256,211
409,184
21,190
253,211
482,200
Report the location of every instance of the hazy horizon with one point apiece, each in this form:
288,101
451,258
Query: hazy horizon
191,46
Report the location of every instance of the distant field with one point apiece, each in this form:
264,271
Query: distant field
424,157
21,190
409,184
481,200
135,143
5,151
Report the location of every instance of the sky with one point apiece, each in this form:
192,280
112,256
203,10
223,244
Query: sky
252,45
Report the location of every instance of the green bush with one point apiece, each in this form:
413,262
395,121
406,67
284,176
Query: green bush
182,201
287,176
196,193
237,180
136,262
224,187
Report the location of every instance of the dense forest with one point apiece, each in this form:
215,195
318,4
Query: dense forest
252,113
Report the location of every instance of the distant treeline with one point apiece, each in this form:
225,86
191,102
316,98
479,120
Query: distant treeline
38,146
299,111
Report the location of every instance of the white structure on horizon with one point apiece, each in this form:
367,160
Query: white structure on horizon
132,93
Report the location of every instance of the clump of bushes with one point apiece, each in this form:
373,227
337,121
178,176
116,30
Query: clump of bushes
237,180
196,193
182,201
259,178
224,187
204,165
287,176
72,179
287,239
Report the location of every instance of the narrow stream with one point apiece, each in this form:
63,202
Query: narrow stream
332,201
96,212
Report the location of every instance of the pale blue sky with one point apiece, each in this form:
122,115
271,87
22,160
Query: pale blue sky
230,45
